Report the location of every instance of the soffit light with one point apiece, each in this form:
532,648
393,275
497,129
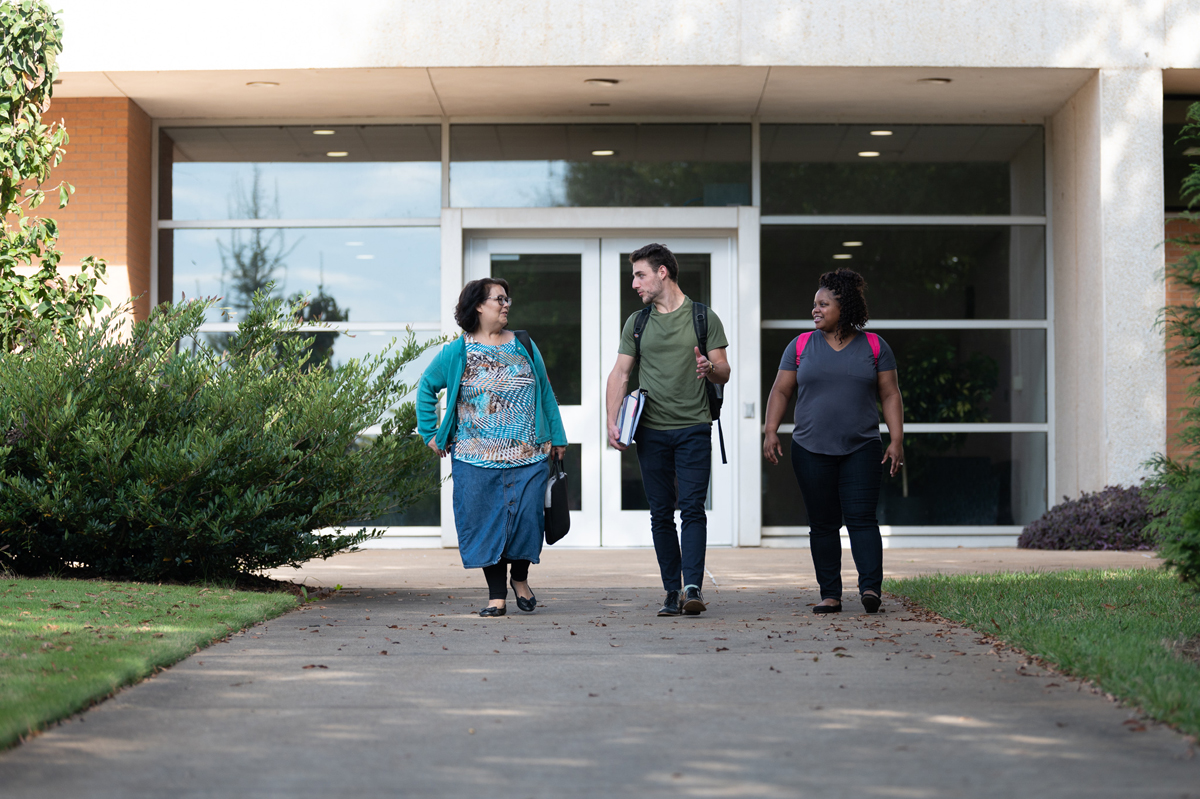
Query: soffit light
937,81
881,133
843,256
337,154
604,152
324,132
603,83
262,84
869,154
851,243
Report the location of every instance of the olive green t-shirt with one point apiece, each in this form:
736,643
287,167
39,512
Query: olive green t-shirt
668,367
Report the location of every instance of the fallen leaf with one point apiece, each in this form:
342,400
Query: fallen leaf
722,649
393,626
842,655
614,644
384,651
839,649
446,649
593,695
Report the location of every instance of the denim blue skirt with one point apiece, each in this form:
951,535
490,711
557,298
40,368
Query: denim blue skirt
499,513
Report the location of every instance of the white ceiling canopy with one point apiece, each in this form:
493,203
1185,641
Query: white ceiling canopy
801,94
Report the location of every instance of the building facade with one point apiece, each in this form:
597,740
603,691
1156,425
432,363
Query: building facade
1000,173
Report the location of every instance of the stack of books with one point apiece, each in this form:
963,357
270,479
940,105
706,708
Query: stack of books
631,414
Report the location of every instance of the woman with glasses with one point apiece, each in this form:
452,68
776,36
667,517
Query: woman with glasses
500,426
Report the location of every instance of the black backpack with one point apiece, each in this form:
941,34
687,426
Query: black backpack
716,394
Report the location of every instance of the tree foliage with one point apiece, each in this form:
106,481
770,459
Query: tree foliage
125,455
30,41
1178,523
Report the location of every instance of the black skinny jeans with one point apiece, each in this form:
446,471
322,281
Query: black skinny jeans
837,487
496,576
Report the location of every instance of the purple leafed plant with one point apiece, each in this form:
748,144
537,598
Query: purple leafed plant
1115,518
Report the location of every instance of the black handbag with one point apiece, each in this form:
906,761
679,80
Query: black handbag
558,514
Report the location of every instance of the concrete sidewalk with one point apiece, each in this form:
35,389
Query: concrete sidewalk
404,691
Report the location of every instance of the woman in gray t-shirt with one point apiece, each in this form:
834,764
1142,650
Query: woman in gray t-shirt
839,374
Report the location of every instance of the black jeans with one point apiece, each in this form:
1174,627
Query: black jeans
665,457
497,572
837,487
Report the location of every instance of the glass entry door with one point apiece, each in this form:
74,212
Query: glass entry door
573,296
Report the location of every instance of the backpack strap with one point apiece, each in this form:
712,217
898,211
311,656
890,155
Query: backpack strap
801,343
873,340
639,327
526,341
700,323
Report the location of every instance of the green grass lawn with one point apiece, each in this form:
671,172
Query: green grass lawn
67,643
1120,628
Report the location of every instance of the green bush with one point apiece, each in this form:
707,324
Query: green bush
1178,525
127,453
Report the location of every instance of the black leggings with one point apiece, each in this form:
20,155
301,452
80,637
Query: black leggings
497,572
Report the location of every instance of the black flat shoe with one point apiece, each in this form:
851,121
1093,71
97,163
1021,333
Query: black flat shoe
671,605
524,604
491,611
822,609
871,603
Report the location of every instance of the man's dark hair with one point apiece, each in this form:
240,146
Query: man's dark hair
473,295
849,287
657,255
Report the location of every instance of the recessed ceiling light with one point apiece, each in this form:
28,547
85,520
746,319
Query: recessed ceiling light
262,84
851,243
602,82
940,81
365,257
604,152
869,154
881,133
324,132
842,256
337,154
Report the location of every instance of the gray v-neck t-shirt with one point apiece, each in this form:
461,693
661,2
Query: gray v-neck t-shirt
837,393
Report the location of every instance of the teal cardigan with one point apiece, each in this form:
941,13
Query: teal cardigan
446,372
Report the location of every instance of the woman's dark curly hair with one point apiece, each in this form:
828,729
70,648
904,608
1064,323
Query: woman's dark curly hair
473,295
849,288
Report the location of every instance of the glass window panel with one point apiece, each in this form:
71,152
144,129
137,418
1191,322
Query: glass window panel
962,479
284,172
547,295
509,166
370,274
1177,160
918,169
950,376
912,271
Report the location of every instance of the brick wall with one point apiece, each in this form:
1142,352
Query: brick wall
1178,378
108,162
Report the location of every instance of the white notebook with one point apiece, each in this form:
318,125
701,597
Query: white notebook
631,414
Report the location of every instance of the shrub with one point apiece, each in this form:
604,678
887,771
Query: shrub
1115,518
127,455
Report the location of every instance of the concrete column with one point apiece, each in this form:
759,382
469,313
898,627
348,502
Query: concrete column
1107,201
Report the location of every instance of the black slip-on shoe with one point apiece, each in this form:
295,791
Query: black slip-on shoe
693,603
821,609
871,603
524,604
491,611
671,605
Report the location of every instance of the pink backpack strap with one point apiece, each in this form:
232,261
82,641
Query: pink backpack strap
801,343
873,340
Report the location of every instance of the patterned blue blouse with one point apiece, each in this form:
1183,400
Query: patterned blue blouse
496,425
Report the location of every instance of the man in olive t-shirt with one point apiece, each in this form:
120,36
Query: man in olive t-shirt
674,437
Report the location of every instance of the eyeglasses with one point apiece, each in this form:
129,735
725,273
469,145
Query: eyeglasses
503,301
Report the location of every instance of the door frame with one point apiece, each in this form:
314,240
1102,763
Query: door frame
743,434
